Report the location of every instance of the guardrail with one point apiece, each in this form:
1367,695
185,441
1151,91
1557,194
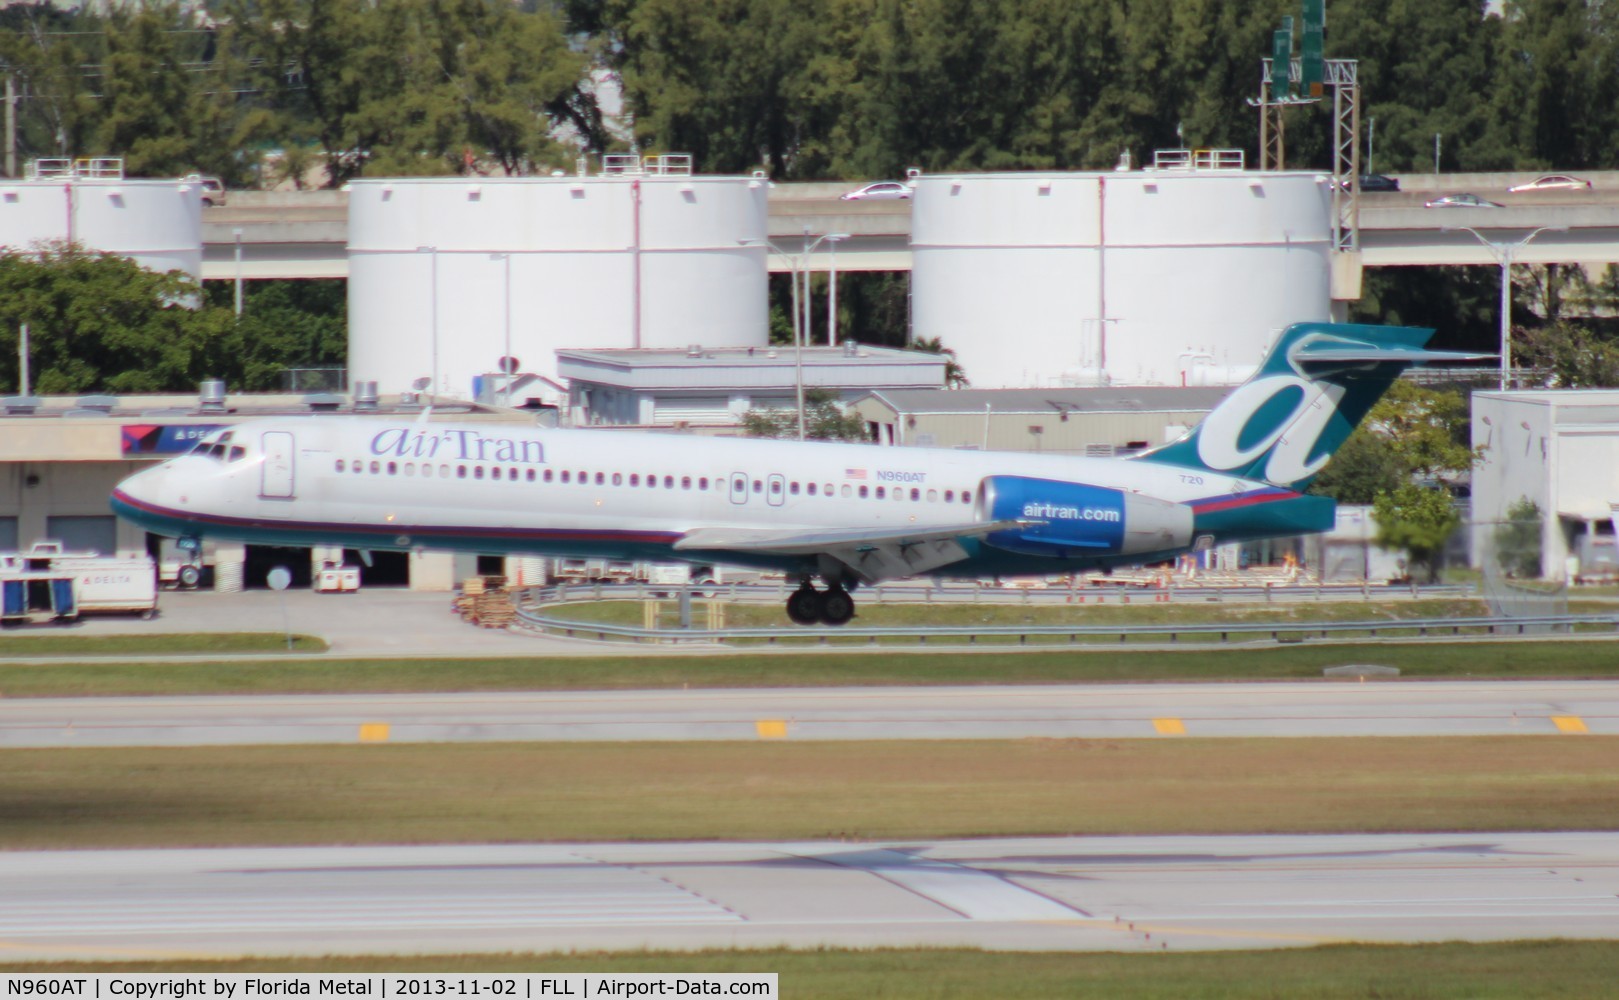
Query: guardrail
922,593
1423,628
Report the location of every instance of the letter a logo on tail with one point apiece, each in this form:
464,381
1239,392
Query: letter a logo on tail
1313,388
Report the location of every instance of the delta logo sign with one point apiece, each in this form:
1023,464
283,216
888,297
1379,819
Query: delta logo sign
140,440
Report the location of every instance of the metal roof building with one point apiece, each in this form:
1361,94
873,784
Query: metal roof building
714,387
1072,421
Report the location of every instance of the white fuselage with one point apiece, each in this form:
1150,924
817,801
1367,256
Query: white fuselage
488,487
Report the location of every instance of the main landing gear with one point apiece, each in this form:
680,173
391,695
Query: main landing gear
832,606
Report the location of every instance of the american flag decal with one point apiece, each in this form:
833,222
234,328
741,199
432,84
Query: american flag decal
854,473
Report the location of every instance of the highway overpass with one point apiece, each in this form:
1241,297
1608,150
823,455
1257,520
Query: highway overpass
304,234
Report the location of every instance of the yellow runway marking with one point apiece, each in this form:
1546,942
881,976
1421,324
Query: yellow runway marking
771,729
373,732
1169,727
1569,724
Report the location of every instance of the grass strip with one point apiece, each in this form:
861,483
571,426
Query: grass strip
156,644
1302,661
1514,970
876,790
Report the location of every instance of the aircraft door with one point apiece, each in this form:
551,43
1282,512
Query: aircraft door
776,490
277,474
739,487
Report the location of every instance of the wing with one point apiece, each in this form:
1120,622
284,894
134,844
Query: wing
871,555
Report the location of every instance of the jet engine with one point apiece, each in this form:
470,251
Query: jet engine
1076,520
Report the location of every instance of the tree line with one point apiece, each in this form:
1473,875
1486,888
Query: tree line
806,89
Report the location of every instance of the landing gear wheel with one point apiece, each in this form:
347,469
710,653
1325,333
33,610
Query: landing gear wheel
837,607
190,576
804,606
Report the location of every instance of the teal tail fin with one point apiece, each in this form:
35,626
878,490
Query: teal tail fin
1309,394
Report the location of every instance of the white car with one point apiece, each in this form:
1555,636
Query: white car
213,189
1461,201
880,191
1551,182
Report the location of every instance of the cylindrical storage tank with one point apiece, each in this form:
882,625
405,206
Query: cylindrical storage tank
157,223
1130,278
447,276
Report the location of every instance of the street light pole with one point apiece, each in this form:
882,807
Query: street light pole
1505,254
800,265
832,290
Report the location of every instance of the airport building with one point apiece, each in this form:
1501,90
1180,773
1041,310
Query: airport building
1558,449
1094,422
61,458
714,388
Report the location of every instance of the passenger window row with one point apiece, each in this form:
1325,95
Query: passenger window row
498,473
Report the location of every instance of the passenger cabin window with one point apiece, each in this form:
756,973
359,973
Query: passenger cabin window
880,492
811,489
340,465
549,475
794,488
702,483
618,479
635,479
601,479
685,482
863,492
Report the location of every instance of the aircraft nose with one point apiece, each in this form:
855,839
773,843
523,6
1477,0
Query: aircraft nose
137,498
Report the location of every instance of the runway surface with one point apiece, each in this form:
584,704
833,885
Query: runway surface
1113,711
1078,893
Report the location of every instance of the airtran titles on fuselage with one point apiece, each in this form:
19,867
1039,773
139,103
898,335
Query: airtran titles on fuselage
456,444
1060,512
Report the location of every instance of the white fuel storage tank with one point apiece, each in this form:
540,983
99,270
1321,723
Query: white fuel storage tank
1149,277
157,223
447,276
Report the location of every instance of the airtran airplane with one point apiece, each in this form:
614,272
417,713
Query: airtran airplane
848,514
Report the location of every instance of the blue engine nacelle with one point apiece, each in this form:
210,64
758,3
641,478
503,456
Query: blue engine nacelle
1077,520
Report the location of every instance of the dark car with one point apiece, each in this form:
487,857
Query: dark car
1378,183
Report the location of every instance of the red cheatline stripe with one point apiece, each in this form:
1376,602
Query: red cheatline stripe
1242,500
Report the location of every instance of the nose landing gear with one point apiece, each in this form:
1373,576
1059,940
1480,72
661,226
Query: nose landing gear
807,606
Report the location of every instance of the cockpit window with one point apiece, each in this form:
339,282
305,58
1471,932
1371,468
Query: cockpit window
218,447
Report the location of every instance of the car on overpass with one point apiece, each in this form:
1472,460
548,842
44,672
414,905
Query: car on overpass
1551,182
880,191
212,188
1378,184
1461,201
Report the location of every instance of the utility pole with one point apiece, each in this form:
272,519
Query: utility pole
22,359
11,122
